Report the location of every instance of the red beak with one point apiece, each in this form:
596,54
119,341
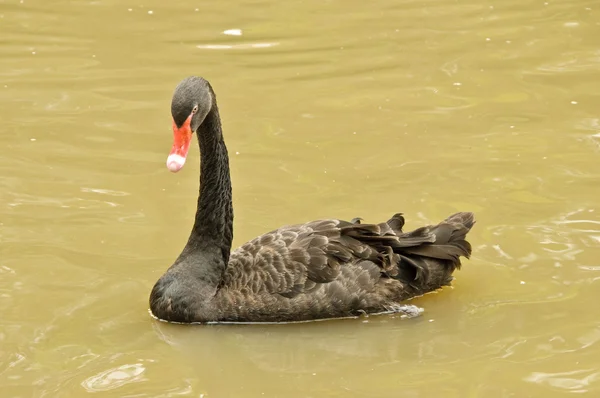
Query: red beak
181,144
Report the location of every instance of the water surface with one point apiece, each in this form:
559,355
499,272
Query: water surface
331,109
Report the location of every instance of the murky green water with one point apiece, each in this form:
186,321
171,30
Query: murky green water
331,109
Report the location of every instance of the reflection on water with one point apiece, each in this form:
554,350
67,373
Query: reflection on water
575,381
115,378
352,109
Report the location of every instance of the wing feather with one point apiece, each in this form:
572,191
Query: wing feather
299,259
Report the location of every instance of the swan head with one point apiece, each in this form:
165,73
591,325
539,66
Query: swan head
192,101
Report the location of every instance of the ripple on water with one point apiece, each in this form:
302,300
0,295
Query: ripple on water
115,377
573,381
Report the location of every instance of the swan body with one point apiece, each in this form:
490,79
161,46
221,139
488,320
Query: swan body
318,270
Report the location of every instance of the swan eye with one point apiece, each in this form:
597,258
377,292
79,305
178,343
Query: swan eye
195,109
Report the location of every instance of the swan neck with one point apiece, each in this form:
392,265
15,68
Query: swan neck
213,225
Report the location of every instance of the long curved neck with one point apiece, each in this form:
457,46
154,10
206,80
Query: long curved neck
212,232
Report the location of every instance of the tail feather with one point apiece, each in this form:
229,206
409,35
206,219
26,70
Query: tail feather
440,252
424,258
465,219
431,254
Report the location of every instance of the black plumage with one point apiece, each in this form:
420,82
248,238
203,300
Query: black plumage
321,269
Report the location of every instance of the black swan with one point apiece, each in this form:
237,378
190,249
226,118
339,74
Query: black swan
318,270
